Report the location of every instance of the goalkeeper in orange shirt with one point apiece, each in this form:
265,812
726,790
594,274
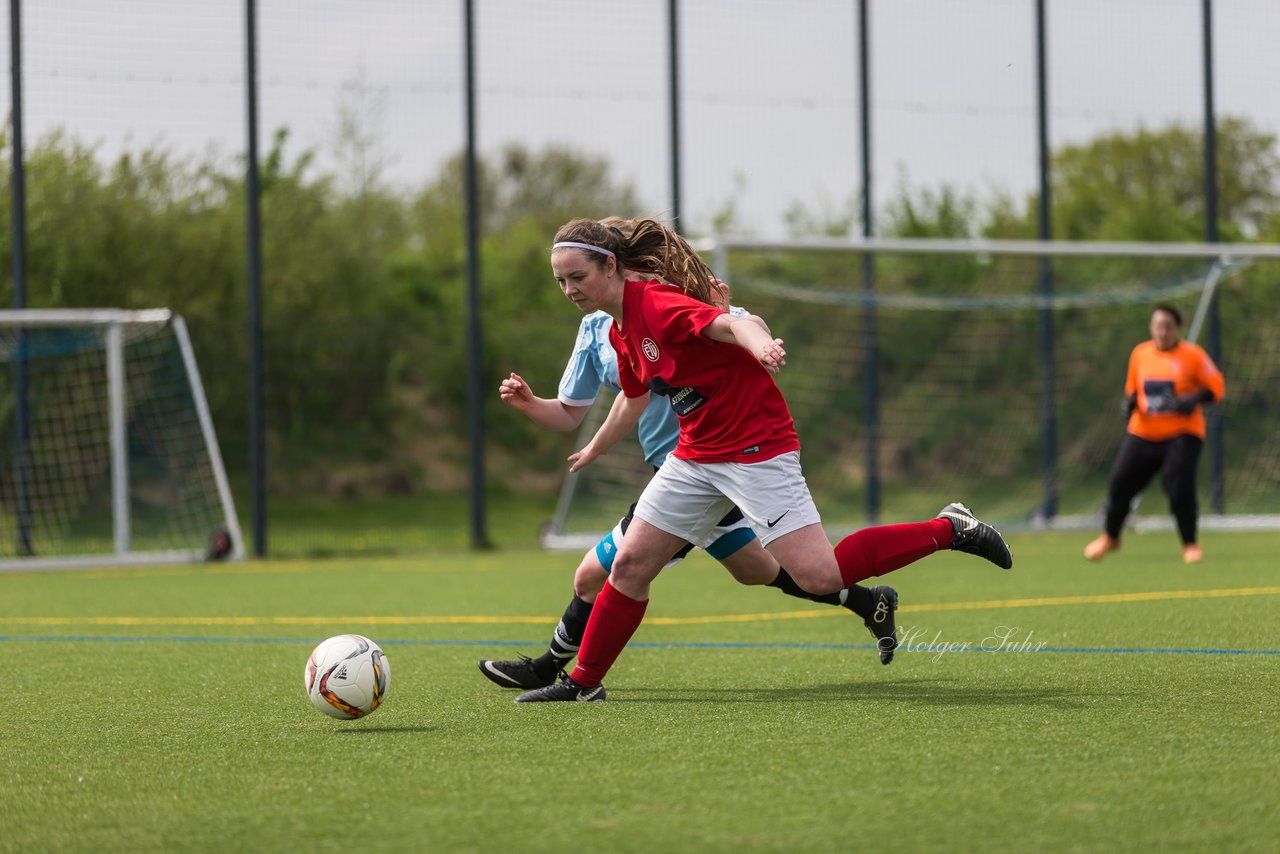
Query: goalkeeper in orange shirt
1168,382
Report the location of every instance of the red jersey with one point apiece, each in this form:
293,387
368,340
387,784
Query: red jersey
729,408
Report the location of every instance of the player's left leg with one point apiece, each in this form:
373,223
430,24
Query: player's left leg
776,501
809,548
775,498
1179,481
739,550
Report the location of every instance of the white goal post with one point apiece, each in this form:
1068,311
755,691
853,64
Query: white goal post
108,454
945,337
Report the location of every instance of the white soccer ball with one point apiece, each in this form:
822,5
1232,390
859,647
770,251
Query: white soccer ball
347,676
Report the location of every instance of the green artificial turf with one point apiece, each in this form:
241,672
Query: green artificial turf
162,709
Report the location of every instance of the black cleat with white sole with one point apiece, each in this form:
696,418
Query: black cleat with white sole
975,537
564,691
881,622
522,673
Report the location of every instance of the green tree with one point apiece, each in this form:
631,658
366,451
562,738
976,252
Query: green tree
528,325
364,289
1149,185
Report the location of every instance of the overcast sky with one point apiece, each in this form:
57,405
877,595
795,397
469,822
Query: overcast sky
769,87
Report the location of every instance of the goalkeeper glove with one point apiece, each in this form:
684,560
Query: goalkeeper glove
1128,404
1185,404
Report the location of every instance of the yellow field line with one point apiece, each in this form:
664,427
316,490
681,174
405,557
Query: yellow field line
1093,599
268,621
422,620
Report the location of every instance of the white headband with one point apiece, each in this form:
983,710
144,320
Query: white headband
569,244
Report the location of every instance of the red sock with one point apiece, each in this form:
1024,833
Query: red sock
614,619
880,550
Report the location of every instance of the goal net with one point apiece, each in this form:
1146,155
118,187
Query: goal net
921,372
107,449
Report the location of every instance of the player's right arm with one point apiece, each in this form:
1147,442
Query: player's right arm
582,379
553,414
752,334
623,415
1131,385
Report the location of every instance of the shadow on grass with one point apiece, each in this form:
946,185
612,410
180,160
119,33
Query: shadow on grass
383,730
927,692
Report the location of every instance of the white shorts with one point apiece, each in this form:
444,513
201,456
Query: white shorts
688,499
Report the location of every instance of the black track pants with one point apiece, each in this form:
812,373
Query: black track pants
1137,462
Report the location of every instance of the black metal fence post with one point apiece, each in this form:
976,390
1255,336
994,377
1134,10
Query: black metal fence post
673,57
870,362
18,224
253,255
475,348
1049,405
1213,332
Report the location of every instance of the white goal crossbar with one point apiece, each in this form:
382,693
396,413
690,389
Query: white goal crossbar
1048,248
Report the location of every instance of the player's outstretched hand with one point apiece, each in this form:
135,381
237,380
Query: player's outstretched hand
515,392
583,458
772,355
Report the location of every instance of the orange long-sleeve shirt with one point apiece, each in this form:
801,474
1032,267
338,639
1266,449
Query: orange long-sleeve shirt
1157,377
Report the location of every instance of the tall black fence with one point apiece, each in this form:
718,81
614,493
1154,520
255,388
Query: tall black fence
752,118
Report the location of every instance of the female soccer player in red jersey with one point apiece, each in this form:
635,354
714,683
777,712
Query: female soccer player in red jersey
592,366
738,444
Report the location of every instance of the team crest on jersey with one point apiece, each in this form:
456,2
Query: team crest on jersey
650,348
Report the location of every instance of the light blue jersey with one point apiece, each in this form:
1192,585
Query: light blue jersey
594,363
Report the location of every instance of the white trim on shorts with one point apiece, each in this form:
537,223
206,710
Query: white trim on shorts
687,499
